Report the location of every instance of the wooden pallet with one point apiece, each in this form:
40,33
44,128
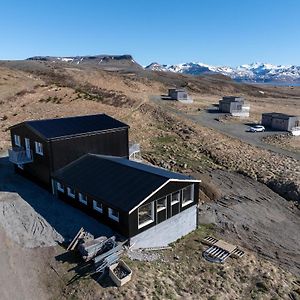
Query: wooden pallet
220,250
209,240
216,254
237,253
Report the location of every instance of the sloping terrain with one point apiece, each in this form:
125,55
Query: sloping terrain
42,89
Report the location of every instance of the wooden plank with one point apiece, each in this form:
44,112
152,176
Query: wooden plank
226,246
104,255
74,242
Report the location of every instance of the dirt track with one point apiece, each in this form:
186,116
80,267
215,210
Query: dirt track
256,218
235,130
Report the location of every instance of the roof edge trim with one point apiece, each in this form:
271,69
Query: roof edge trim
154,192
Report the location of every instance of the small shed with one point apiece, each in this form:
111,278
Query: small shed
179,95
148,205
280,121
236,106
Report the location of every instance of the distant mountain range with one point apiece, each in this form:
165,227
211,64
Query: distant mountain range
255,72
108,62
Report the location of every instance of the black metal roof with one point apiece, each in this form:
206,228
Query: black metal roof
78,125
121,183
279,115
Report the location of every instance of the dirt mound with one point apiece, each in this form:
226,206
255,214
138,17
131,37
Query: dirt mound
256,218
24,225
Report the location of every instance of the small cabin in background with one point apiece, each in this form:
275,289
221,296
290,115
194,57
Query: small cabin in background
280,121
179,95
236,106
41,147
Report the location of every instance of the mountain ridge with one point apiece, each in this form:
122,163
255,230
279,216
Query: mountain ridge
255,72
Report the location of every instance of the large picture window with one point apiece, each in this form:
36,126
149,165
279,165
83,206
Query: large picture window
146,214
187,195
175,198
161,204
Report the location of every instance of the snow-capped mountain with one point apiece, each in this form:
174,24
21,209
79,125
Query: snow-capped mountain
255,72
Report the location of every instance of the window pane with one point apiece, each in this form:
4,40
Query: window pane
175,197
115,213
161,204
146,213
187,195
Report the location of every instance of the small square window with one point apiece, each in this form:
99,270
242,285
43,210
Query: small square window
17,140
60,187
97,206
83,199
71,192
39,148
113,214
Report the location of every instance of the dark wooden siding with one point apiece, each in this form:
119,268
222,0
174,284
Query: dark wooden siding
167,190
114,143
58,153
121,226
39,168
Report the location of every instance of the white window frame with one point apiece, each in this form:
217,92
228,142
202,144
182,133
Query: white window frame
17,140
110,211
192,194
39,148
152,216
158,209
21,166
60,187
83,199
70,194
176,201
97,207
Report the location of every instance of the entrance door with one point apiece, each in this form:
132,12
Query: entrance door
27,147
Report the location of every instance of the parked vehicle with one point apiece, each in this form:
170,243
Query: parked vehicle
257,128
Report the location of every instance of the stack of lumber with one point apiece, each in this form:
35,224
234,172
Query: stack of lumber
97,246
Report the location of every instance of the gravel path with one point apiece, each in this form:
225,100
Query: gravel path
32,217
240,131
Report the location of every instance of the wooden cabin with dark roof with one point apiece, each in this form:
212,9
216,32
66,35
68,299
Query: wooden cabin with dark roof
40,147
148,205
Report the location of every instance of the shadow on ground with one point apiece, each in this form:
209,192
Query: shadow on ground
83,269
214,110
65,219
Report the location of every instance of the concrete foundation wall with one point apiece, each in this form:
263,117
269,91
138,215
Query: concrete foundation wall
168,231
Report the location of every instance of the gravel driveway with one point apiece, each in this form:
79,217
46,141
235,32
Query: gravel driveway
33,217
208,117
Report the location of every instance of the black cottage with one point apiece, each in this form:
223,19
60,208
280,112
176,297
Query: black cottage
148,205
41,147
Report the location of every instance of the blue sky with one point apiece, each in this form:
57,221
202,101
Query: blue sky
219,32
